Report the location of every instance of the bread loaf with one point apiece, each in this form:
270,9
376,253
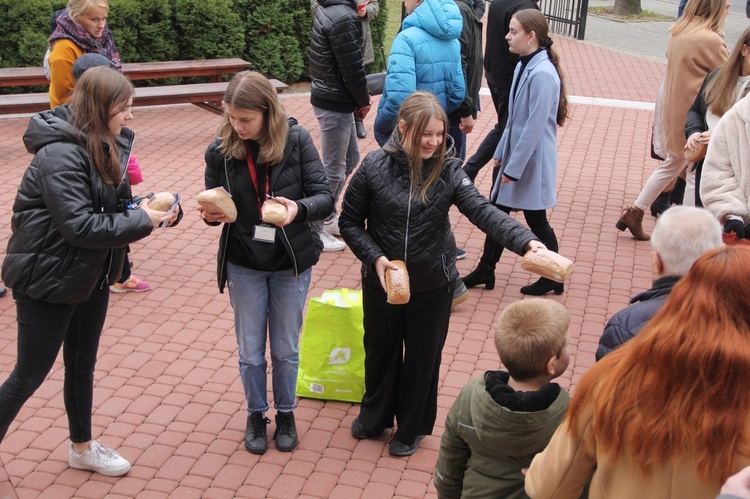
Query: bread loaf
217,201
397,284
698,154
162,201
273,212
547,264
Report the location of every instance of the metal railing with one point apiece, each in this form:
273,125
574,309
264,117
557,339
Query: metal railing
566,17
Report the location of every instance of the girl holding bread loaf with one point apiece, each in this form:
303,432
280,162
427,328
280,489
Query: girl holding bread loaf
71,223
396,208
263,160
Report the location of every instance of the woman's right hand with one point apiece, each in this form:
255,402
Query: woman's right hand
156,216
697,138
381,264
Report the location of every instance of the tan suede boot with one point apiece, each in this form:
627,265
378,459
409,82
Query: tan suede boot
632,219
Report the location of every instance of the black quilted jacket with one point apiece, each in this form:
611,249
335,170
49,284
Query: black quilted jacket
299,176
379,217
336,68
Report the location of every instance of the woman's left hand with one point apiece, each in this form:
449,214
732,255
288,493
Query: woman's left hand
534,245
505,180
291,210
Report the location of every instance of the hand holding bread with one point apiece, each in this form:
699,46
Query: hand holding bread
274,212
546,263
397,283
217,205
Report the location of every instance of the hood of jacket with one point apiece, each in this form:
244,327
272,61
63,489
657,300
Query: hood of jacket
517,433
661,286
326,3
440,18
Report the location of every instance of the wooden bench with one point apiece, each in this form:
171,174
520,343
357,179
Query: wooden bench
205,95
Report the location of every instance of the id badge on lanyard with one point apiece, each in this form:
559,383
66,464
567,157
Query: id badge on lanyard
264,233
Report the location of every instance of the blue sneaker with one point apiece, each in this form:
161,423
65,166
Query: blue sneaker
460,254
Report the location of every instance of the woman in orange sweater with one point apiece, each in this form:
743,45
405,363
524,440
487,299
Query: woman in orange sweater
80,29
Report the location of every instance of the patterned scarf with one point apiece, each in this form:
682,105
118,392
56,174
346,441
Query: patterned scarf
69,30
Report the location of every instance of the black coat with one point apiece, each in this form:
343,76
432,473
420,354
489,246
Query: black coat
380,217
626,323
499,63
298,176
471,58
336,68
70,229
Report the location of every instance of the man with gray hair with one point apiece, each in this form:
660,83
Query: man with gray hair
681,235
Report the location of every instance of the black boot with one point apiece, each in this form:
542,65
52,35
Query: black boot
678,191
661,203
483,274
255,433
285,435
542,287
360,127
485,271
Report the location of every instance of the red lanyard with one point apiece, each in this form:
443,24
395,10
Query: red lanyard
254,178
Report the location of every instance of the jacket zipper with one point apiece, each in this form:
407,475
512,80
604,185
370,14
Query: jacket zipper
408,219
286,238
226,237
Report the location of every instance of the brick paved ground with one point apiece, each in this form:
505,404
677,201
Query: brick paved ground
168,394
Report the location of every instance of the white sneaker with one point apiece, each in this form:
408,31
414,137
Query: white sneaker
99,459
330,243
332,227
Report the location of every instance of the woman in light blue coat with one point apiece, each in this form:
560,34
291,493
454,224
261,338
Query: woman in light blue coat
425,55
527,152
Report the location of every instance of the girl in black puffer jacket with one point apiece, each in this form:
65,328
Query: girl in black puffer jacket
396,207
259,154
70,229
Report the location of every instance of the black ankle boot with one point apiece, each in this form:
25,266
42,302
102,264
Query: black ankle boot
661,203
678,191
481,275
542,287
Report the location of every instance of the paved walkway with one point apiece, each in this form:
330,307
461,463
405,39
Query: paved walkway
168,394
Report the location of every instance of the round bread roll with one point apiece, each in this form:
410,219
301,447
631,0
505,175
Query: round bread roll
273,212
218,201
162,201
698,154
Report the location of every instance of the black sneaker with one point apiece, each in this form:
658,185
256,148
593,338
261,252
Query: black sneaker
398,448
256,440
285,435
359,431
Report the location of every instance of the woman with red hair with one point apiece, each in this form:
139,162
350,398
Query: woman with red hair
667,415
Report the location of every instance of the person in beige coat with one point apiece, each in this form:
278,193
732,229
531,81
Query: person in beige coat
667,415
694,48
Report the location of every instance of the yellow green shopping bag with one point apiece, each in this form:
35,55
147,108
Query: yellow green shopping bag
332,356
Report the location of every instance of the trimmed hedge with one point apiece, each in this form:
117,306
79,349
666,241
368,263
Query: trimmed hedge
274,35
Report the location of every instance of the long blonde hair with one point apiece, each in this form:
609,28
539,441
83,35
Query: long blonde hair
721,91
252,91
416,112
707,13
100,93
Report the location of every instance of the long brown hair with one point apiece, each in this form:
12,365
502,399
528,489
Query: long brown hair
100,93
707,13
416,112
721,91
252,91
679,387
534,20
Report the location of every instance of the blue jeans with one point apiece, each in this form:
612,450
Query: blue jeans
339,150
681,8
459,137
272,302
42,329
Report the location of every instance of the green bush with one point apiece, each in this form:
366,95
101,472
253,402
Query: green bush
143,30
273,35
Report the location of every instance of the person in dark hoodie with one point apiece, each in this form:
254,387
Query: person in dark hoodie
500,421
681,235
72,219
396,208
338,92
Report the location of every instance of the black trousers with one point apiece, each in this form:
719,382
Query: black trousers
485,151
42,329
403,347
